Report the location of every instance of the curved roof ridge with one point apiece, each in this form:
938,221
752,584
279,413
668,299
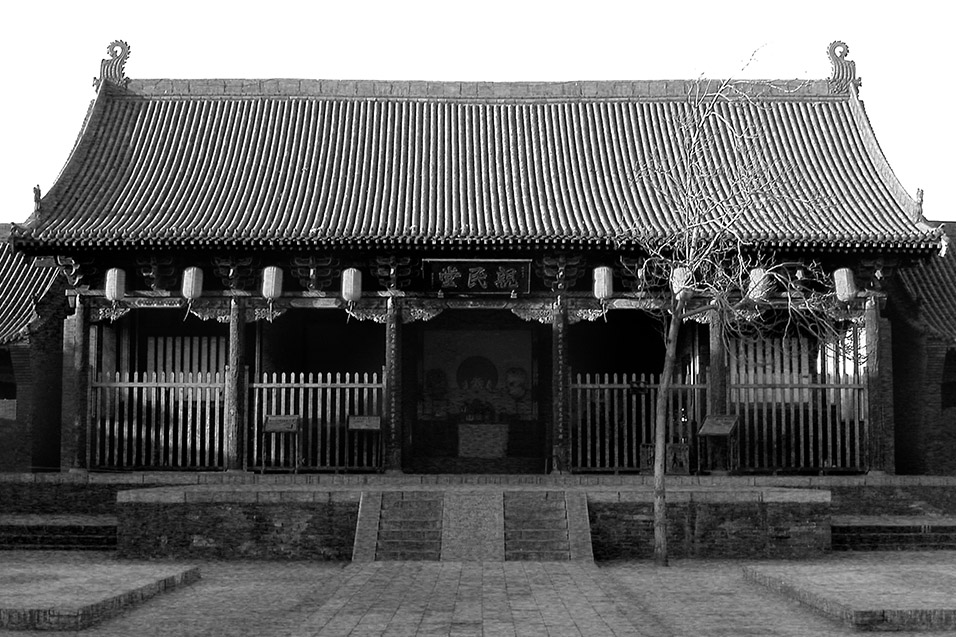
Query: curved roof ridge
473,90
882,164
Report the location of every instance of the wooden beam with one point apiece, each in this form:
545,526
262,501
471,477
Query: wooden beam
234,386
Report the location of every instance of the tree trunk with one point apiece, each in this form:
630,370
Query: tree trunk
660,434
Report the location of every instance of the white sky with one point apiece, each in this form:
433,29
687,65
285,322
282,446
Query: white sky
51,51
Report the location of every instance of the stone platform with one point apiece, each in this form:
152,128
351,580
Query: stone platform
330,518
75,596
900,592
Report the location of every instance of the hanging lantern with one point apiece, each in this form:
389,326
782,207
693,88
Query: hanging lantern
115,284
271,282
759,285
682,282
192,283
603,283
351,285
844,283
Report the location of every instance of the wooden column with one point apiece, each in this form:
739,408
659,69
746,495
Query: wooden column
881,448
234,386
74,441
717,374
393,386
560,439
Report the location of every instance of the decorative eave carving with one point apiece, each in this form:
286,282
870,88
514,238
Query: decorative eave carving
315,273
114,69
158,271
236,273
844,70
75,270
393,273
560,272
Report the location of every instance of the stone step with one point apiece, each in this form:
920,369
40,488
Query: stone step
539,545
537,556
405,544
394,535
57,532
535,535
410,523
892,533
408,556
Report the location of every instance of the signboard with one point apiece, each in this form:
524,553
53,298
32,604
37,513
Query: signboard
478,276
282,424
365,423
718,426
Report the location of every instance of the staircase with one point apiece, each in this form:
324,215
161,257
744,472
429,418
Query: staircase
58,532
892,533
536,526
410,526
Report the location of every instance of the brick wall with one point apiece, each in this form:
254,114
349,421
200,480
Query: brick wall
625,530
313,531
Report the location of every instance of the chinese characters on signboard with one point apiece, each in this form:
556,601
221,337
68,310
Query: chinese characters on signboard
479,276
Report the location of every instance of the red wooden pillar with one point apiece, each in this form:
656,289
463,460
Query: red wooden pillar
561,440
717,372
74,441
881,449
235,390
393,386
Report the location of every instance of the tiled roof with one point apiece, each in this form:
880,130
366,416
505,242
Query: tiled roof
932,284
307,164
21,285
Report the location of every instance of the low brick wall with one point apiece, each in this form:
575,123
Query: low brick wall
254,524
711,525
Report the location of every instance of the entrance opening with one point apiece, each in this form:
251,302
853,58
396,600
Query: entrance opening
477,400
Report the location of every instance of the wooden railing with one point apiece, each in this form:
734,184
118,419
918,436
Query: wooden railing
612,421
333,421
157,420
808,427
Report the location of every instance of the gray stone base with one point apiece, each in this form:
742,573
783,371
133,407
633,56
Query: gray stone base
94,593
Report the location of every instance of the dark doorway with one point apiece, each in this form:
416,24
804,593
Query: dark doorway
477,390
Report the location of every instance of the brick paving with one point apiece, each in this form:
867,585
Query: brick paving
515,599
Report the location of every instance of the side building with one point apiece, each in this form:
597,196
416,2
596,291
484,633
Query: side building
923,309
32,308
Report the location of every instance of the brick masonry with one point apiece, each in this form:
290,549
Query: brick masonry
292,530
625,530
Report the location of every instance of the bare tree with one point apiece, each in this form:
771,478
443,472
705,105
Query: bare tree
712,179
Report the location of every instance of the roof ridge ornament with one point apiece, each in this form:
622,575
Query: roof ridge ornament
114,69
844,70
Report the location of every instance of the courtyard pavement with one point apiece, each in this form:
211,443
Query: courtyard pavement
515,599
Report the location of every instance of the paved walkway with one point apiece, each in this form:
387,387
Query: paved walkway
391,599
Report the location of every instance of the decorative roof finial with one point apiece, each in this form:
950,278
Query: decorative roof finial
844,71
36,198
113,69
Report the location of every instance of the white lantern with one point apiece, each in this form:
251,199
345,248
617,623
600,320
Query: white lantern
271,282
758,287
192,283
603,283
845,285
115,284
682,282
351,285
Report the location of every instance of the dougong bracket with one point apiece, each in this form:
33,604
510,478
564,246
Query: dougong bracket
113,69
